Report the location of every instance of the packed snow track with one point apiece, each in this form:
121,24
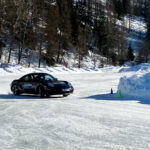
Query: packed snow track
89,119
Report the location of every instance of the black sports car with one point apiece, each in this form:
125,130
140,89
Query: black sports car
41,84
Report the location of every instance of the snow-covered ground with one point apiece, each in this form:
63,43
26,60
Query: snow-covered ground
89,119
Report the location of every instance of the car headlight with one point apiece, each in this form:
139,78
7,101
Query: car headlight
67,90
70,84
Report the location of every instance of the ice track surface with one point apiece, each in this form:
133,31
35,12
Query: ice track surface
89,119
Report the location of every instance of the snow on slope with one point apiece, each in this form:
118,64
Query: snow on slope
90,61
89,119
69,60
18,69
135,37
137,84
137,31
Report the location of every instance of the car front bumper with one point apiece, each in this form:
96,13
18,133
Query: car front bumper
59,91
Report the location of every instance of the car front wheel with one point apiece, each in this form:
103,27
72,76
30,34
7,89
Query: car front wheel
65,95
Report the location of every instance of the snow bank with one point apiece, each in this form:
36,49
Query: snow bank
144,67
137,85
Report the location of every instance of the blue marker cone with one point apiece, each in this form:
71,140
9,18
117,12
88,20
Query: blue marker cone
111,91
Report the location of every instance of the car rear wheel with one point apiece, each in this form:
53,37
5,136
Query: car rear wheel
15,90
40,92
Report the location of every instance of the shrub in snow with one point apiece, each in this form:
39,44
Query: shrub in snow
136,85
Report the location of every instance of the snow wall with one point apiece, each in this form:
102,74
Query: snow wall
136,86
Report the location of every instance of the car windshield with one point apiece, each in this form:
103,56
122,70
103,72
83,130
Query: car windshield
36,77
48,77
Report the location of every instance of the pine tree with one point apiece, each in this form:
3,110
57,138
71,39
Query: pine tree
122,45
52,35
130,53
81,48
119,8
8,20
145,51
148,20
127,6
64,27
74,25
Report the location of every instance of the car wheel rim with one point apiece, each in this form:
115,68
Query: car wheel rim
39,92
14,89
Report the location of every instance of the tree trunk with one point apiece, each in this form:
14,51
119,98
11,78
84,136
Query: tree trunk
146,59
79,63
58,53
59,48
10,50
79,58
129,24
1,53
40,52
29,64
20,53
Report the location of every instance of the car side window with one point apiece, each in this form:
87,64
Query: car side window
36,77
49,78
27,78
41,77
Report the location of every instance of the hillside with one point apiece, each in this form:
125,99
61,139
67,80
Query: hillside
82,31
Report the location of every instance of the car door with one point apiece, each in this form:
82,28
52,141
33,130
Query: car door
35,82
50,80
26,83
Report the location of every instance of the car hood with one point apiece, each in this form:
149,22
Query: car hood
62,84
59,82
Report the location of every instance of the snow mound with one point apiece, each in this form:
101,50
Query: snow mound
145,67
137,85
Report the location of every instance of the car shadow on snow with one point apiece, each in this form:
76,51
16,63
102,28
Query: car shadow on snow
115,97
25,97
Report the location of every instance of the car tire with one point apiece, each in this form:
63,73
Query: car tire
40,92
15,90
47,95
65,95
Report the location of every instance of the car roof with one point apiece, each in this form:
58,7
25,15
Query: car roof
36,74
